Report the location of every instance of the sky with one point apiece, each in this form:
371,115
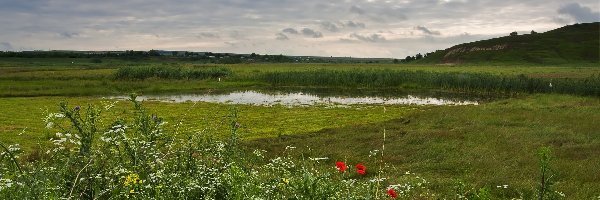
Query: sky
368,28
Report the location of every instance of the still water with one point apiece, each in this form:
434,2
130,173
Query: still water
251,97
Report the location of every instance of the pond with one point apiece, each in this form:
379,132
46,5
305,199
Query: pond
252,97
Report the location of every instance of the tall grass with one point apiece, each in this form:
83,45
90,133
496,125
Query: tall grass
133,157
447,80
93,157
170,72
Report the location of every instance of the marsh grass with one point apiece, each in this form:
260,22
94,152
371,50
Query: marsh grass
76,77
170,72
473,82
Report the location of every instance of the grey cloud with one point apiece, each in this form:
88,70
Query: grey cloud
68,35
290,31
580,13
6,46
380,12
561,20
208,35
346,40
237,35
311,33
353,24
38,24
340,25
426,30
330,26
281,36
368,38
357,10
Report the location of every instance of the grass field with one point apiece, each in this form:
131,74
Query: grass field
484,146
59,77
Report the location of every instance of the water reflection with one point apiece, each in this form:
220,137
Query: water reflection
301,99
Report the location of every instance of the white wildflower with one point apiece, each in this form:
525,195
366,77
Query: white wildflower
49,125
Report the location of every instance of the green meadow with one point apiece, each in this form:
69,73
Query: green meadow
485,151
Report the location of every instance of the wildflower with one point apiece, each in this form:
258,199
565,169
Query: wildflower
49,125
132,179
341,166
284,182
392,193
361,169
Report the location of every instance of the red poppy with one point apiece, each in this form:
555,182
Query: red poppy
361,169
341,166
392,193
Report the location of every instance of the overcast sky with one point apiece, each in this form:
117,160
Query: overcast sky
370,28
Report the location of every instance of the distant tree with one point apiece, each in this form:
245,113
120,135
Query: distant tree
514,33
418,56
395,61
533,32
153,53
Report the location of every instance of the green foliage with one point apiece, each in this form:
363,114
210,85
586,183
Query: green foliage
576,43
546,176
170,72
475,82
132,157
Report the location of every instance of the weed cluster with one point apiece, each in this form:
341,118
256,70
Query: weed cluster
170,72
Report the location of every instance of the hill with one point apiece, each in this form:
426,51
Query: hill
568,44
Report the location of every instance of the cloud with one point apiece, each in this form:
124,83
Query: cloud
353,24
579,13
68,35
281,36
311,33
330,26
426,30
237,35
121,25
357,10
368,38
307,32
290,31
6,46
340,25
380,12
208,35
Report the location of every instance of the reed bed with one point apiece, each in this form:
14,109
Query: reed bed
470,82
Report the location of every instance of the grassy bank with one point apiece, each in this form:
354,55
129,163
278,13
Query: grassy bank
487,145
482,146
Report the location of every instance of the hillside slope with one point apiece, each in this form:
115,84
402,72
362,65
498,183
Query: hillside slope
568,44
